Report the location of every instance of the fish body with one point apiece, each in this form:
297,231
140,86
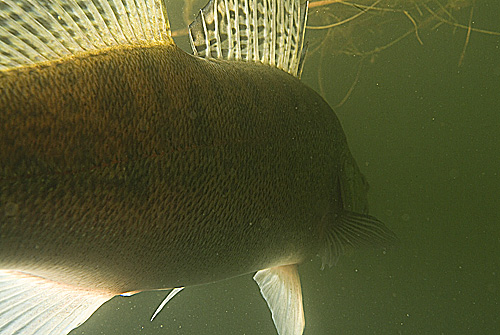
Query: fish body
138,167
184,171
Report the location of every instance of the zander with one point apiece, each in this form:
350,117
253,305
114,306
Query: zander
127,164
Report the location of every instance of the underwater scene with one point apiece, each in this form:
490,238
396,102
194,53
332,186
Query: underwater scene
416,87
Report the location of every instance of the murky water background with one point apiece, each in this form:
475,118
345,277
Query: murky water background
426,134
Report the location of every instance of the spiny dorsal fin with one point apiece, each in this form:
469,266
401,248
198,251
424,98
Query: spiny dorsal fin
32,31
266,31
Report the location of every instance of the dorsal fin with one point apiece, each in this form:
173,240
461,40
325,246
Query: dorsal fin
42,30
266,31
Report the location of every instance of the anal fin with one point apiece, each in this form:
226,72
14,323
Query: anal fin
34,305
280,287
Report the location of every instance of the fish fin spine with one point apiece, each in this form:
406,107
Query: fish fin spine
266,31
40,30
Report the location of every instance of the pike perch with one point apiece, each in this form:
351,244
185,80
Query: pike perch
128,165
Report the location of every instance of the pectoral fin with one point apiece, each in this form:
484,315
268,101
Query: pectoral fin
280,287
35,305
352,230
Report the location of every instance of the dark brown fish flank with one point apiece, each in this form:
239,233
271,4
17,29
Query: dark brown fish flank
113,155
135,166
108,104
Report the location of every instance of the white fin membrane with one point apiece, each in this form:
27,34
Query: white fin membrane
32,31
280,287
266,31
169,297
32,305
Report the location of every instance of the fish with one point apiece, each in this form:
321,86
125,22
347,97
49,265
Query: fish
128,165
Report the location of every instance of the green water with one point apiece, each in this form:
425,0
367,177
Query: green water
426,134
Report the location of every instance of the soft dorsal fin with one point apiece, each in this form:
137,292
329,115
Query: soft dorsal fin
266,31
32,31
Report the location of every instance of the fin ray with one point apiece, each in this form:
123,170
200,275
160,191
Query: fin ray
116,20
34,305
280,287
33,31
267,31
23,25
350,230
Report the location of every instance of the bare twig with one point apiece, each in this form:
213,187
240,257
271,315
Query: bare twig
467,38
415,25
351,89
365,10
